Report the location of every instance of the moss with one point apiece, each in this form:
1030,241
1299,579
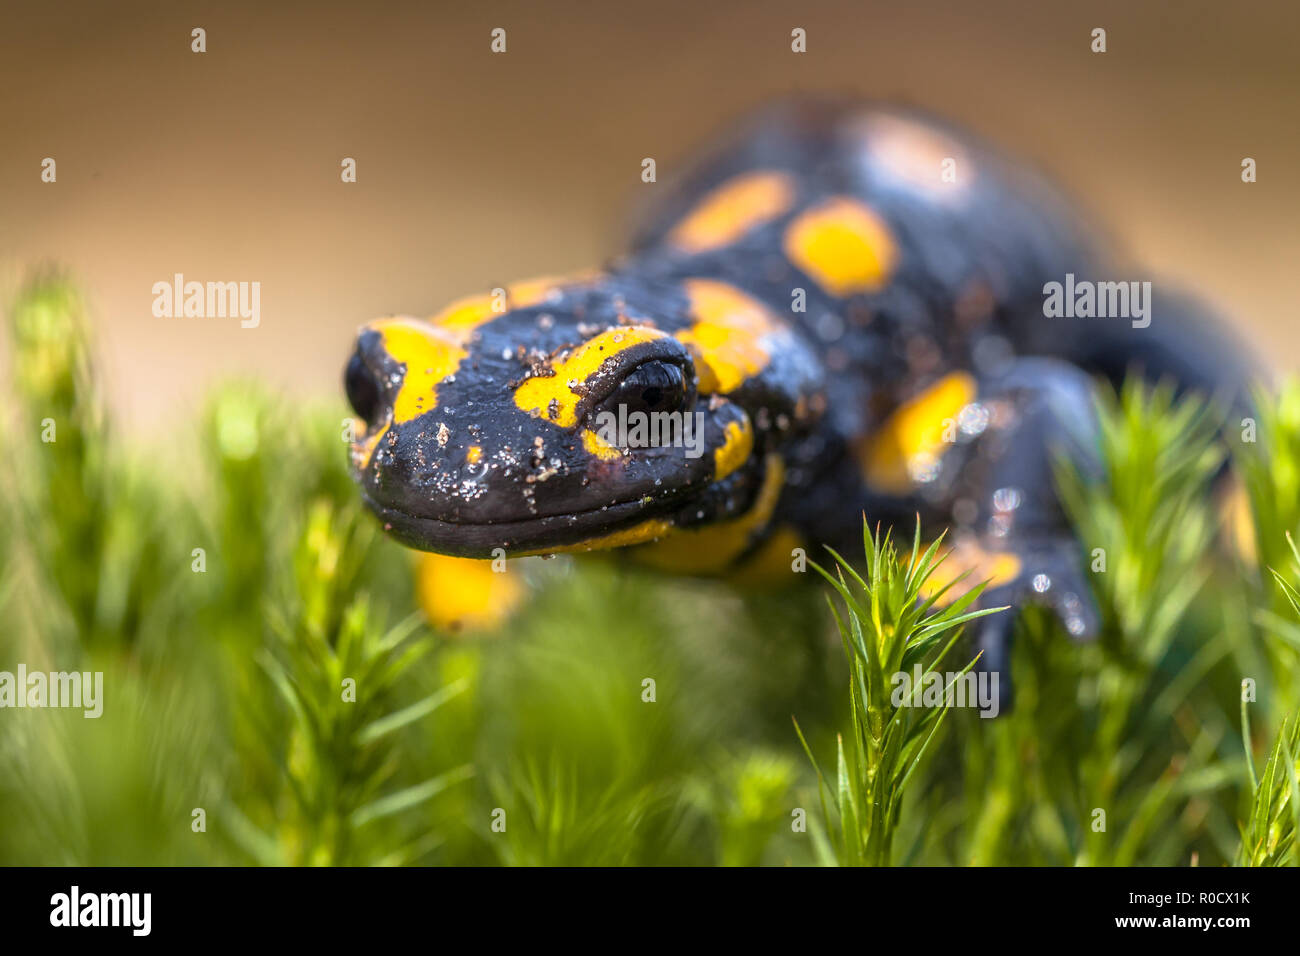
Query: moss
273,694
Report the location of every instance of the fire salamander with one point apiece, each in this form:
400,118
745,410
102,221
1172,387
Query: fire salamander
847,304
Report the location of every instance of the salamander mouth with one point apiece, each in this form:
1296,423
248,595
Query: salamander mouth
616,524
526,536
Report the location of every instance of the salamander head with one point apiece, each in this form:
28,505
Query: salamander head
579,416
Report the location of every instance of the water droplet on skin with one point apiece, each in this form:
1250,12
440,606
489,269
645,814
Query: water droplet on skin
1006,499
923,469
973,419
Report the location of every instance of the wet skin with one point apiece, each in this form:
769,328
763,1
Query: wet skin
853,299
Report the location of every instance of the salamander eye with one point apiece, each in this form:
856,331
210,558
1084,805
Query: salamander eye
650,387
362,389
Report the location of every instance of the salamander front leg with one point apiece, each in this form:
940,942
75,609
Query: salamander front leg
1007,523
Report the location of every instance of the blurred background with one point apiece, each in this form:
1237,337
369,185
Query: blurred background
475,169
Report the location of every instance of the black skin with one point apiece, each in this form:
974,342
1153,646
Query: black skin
966,294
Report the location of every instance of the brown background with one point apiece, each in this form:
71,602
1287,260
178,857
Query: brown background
476,169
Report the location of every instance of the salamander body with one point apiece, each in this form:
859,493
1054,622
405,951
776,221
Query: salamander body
845,304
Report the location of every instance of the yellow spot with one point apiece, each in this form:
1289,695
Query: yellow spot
730,335
464,594
598,447
647,530
843,245
733,209
465,315
713,548
555,397
911,439
738,442
430,354
995,567
473,454
536,291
